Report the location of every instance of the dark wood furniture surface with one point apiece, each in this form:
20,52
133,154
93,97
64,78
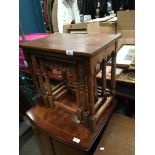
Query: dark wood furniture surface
64,127
72,108
118,137
81,44
77,57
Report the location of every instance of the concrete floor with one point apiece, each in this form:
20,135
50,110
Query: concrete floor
27,141
28,144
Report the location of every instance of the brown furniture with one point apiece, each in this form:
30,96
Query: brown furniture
126,23
69,110
125,74
118,137
126,26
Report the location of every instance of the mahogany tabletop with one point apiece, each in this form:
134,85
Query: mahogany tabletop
80,44
64,127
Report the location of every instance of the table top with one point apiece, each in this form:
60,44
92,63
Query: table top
65,127
118,137
80,44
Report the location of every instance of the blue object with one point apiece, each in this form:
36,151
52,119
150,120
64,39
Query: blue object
31,17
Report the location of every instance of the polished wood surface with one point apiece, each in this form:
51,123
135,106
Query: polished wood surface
76,92
63,126
81,44
70,107
118,137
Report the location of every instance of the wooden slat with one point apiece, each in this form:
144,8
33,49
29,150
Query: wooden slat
64,92
57,91
113,73
98,103
65,107
57,86
103,108
91,96
104,79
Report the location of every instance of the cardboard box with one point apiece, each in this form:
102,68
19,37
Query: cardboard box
91,28
108,27
76,27
126,26
126,16
101,27
66,28
126,23
127,33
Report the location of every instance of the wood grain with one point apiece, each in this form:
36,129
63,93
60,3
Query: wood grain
78,93
63,126
81,44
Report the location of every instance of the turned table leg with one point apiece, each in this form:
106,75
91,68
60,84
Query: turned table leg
113,73
104,94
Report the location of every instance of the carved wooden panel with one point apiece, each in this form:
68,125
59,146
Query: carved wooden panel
67,81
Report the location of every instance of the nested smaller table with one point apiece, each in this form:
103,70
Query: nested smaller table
70,114
77,58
